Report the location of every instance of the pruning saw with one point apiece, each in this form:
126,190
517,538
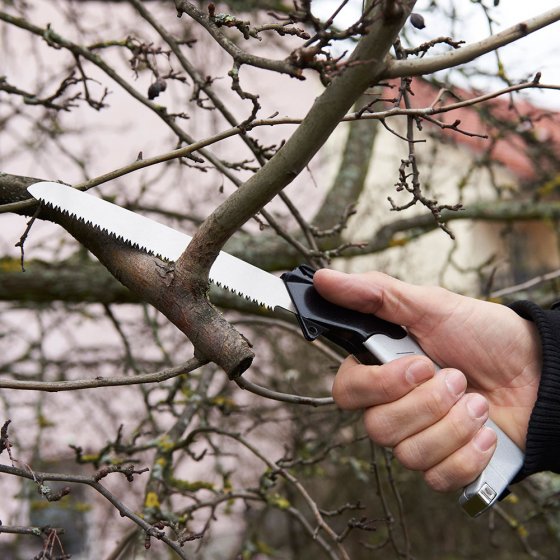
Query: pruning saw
363,335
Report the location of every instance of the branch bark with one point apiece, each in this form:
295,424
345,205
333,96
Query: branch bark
428,65
182,300
97,382
192,267
238,55
364,68
86,281
174,294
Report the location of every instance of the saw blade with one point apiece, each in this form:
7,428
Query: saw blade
227,271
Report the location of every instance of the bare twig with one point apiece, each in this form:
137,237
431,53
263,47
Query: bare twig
56,386
124,510
321,524
531,283
428,65
282,397
433,109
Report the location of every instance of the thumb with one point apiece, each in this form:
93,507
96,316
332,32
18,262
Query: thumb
380,294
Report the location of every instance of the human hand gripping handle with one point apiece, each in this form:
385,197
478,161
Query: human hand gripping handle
448,319
507,460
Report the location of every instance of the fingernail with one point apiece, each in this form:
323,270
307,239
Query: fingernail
456,382
485,439
418,371
477,406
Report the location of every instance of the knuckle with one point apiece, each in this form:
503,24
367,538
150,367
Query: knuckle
386,383
437,481
346,392
384,387
436,403
379,427
342,397
461,425
462,469
461,429
409,455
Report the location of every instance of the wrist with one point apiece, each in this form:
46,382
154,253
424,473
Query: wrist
542,448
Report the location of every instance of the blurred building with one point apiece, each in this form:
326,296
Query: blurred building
514,171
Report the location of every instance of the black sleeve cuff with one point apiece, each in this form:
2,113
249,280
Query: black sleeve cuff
542,451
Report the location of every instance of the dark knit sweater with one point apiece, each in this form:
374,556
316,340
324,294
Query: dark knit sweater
543,437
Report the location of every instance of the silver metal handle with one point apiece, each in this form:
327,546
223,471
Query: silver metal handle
507,460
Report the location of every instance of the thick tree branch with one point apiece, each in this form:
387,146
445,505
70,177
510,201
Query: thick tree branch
80,280
321,120
428,65
172,293
72,281
185,304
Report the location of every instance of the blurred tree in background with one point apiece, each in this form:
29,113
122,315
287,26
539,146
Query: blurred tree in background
329,133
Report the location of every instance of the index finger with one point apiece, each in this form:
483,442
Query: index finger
382,295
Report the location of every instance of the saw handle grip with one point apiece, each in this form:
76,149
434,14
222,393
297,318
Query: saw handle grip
507,459
374,340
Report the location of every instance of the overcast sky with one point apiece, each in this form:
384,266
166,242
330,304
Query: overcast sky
539,51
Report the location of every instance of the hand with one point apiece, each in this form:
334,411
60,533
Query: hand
434,421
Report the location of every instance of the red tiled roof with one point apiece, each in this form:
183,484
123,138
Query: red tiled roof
530,128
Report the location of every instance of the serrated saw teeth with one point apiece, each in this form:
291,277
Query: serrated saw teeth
149,236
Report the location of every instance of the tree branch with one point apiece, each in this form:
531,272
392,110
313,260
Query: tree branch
239,55
94,483
169,290
83,281
321,120
428,65
351,176
78,384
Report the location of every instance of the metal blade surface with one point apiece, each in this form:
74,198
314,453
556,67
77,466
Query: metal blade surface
158,239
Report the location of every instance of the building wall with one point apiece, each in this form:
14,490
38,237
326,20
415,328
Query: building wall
449,174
